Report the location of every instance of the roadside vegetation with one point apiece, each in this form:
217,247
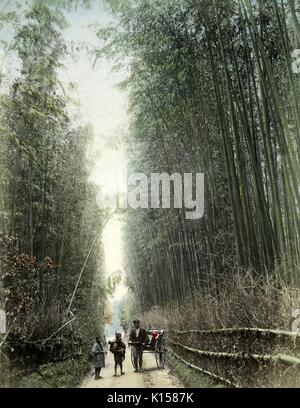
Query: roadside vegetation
214,88
48,213
67,374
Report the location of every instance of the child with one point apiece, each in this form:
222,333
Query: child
118,347
99,358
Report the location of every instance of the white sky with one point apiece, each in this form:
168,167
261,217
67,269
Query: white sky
103,105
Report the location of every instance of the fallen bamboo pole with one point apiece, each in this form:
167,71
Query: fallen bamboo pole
44,341
59,330
4,339
86,260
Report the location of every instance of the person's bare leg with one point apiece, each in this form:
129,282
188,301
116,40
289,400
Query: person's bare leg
135,358
116,366
121,367
97,373
141,360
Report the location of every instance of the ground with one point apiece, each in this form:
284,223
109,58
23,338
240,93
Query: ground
151,378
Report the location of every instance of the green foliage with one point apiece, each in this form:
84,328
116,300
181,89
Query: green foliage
67,374
211,90
189,377
130,309
48,208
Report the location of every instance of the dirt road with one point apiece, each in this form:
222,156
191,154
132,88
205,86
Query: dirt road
151,378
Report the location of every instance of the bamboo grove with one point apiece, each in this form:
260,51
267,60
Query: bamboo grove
214,88
48,208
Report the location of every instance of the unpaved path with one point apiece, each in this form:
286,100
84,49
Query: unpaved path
152,377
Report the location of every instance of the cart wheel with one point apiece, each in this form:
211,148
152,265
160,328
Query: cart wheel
132,358
160,352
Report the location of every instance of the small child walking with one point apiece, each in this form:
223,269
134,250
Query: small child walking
118,348
99,358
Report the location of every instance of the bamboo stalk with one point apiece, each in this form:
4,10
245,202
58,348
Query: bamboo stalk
206,372
239,331
274,359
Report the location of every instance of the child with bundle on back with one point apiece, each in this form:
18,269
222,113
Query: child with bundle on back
118,348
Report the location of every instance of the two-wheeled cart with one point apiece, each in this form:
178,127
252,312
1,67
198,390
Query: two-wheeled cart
155,344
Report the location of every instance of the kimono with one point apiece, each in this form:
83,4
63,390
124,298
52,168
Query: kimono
99,355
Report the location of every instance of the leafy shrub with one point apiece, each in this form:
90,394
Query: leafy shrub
66,374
